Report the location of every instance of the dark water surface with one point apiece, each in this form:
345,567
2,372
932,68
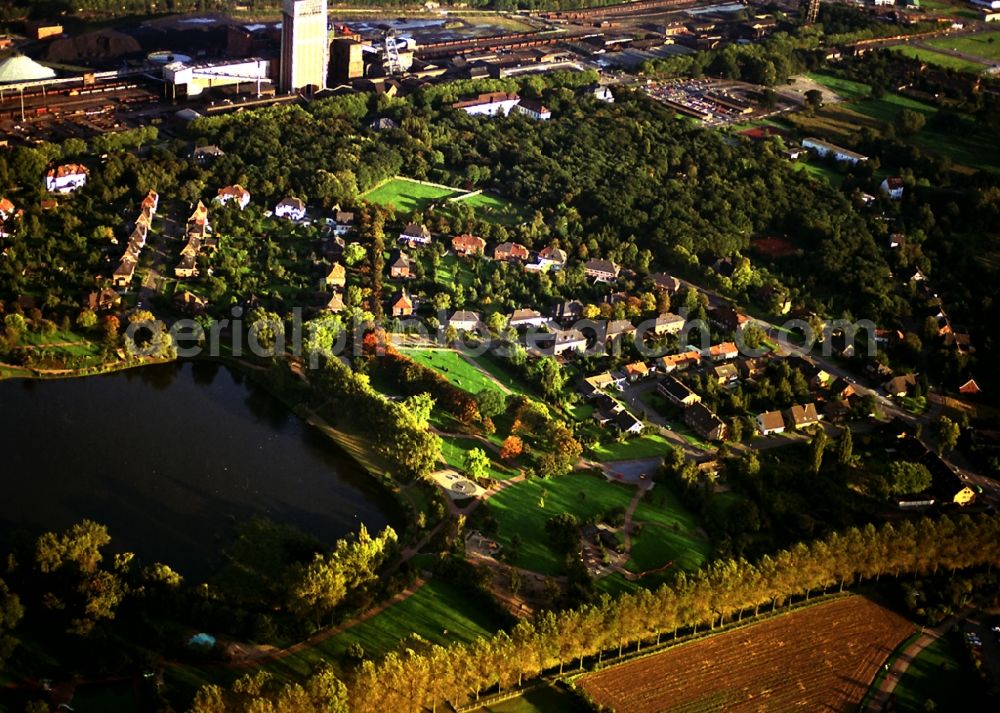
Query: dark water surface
169,457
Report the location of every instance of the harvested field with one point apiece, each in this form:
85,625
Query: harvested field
817,659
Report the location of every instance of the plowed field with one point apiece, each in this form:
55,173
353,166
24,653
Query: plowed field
817,659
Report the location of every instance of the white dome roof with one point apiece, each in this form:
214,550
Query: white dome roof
19,68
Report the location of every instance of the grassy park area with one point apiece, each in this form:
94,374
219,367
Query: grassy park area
941,59
981,44
670,533
455,449
648,446
407,195
452,366
845,88
494,208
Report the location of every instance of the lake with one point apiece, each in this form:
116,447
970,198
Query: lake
169,457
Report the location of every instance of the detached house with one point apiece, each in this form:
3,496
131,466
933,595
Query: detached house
526,318
66,178
727,318
672,362
337,276
511,251
150,203
490,104
399,268
900,386
238,194
414,235
466,245
6,208
770,422
663,281
197,224
668,323
803,416
723,352
892,187
343,222
561,342
618,329
464,321
601,270
291,208
401,305
551,258
533,109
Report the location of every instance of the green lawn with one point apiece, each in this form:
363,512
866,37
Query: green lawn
670,533
846,88
541,700
646,446
495,366
453,367
819,171
941,673
407,195
524,509
454,450
940,59
888,107
439,612
495,209
983,44
453,270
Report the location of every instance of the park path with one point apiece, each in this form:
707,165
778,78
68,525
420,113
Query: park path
895,672
629,512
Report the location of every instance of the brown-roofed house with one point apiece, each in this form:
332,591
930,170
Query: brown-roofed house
705,423
900,386
510,251
770,422
803,416
601,270
465,245
337,276
401,305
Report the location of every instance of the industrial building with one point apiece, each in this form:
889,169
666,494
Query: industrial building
304,47
192,79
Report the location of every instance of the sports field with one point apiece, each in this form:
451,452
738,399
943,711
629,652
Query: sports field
941,59
407,195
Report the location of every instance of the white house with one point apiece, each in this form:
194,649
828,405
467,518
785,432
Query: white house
603,94
415,234
66,178
6,208
464,321
490,104
892,186
534,109
770,422
526,318
825,148
561,342
236,193
291,208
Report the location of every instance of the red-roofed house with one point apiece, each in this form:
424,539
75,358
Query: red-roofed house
66,178
466,245
234,193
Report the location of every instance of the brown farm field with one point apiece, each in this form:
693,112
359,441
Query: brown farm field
821,658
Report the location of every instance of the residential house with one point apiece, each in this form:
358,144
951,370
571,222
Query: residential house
336,277
399,266
705,423
332,302
465,245
842,388
803,416
727,318
464,321
122,276
900,386
821,379
291,208
627,423
722,352
672,362
401,305
824,148
562,341
594,385
668,323
892,186
491,104
602,94
526,318
617,329
511,251
150,203
637,370
104,300
6,209
606,409
970,388
837,410
567,311
553,259
770,422
414,234
204,154
186,268
190,303
677,392
343,221
383,123
726,374
663,281
601,270
749,367
237,193
66,178
885,338
533,109
197,223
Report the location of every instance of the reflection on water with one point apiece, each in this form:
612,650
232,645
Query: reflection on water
169,457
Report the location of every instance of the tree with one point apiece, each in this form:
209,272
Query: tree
845,448
551,376
947,432
11,613
477,463
492,402
909,478
814,99
817,446
908,122
353,254
512,447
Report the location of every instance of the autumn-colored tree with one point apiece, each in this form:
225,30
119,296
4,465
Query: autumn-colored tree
512,447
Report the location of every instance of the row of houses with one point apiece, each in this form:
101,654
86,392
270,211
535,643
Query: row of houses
198,236
123,274
502,104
